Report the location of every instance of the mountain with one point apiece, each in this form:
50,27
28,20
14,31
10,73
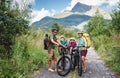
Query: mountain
81,26
71,20
94,10
79,7
77,17
63,14
84,9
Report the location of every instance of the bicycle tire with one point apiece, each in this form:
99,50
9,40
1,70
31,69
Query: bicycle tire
69,68
80,66
72,62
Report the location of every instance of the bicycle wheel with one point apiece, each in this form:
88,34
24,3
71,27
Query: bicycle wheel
63,66
72,62
80,66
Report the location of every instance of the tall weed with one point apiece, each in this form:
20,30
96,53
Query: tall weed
109,49
28,56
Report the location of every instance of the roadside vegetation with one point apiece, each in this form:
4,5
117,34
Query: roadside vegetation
106,38
21,48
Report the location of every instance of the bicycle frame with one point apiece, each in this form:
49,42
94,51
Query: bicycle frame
63,63
77,59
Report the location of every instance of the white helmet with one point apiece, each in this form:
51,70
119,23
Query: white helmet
72,38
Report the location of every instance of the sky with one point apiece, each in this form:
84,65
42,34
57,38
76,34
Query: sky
42,8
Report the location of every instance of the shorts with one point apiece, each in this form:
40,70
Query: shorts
84,53
51,54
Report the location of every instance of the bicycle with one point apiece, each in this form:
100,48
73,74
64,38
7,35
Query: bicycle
64,63
76,60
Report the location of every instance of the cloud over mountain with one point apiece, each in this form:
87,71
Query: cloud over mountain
92,2
39,14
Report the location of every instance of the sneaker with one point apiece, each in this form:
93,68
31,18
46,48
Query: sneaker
51,70
84,70
59,70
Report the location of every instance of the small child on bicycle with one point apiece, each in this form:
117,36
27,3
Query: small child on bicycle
72,44
63,42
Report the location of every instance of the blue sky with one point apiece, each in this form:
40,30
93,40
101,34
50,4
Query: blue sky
58,5
42,8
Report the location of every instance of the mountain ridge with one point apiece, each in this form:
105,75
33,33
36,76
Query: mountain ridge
74,18
79,7
66,21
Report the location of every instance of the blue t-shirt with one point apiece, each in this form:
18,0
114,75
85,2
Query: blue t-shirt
82,41
64,42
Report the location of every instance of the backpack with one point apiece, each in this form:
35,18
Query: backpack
46,42
87,37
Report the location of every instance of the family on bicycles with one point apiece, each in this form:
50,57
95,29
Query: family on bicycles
81,43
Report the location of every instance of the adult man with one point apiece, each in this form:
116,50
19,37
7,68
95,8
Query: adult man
51,50
83,47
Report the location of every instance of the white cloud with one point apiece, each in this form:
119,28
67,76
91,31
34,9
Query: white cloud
25,1
113,2
92,2
38,15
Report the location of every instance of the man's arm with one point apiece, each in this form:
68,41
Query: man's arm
60,43
54,42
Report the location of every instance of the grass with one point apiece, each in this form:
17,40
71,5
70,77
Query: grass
109,49
74,74
28,56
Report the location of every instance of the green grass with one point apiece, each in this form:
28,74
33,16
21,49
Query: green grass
74,74
109,49
28,56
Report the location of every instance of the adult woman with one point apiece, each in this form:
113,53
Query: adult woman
82,43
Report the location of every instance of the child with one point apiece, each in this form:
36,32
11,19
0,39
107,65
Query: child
63,42
72,44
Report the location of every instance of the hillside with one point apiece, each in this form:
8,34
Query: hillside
75,18
71,20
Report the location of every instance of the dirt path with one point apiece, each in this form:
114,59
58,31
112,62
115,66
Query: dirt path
95,69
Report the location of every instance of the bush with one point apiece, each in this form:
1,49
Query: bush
108,48
27,57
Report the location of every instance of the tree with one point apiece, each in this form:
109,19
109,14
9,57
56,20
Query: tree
56,25
116,19
12,23
97,26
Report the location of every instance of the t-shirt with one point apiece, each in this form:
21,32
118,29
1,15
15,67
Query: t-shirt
82,42
72,44
52,45
64,42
